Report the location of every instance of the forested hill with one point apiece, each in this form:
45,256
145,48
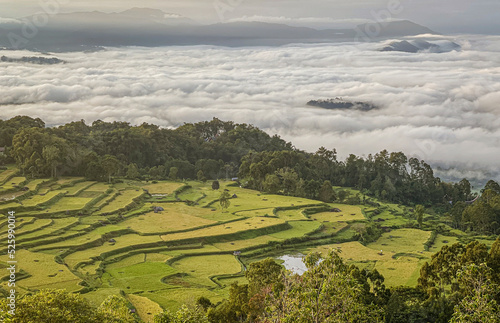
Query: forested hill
218,149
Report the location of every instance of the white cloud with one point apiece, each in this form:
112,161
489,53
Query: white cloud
442,108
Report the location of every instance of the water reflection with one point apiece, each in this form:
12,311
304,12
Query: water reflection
294,263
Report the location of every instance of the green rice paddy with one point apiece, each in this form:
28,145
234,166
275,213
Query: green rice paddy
105,239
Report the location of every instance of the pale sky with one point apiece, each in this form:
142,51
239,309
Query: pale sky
447,16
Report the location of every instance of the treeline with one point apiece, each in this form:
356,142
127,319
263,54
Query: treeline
212,150
389,176
103,149
482,214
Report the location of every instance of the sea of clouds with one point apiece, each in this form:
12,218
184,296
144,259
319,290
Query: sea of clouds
443,108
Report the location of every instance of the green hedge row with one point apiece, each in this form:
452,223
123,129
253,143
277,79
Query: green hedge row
181,190
430,241
297,207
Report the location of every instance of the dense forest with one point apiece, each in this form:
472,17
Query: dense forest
216,149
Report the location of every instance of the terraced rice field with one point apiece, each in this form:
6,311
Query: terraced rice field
109,237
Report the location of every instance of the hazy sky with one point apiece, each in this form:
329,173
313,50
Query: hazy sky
448,16
442,108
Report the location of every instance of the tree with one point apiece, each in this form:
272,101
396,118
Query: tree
185,314
312,188
53,156
324,293
215,185
115,309
326,193
272,184
261,274
27,150
54,306
479,304
111,165
289,179
419,214
224,200
172,175
133,171
201,176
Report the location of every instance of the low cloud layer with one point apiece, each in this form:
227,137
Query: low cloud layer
443,108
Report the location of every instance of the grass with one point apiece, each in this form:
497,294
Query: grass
13,183
58,224
69,180
124,199
163,187
129,261
105,200
291,215
45,273
121,242
173,298
166,221
242,244
38,224
98,187
230,228
442,241
402,241
353,251
32,185
8,173
202,253
299,229
139,277
79,187
399,271
40,199
198,270
69,204
146,308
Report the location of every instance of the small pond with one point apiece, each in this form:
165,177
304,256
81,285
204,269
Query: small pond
294,263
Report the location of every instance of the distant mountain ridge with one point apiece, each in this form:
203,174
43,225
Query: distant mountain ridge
154,28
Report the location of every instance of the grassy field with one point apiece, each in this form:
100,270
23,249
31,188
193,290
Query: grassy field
162,188
146,308
197,270
230,228
12,183
175,218
165,259
124,199
8,173
79,187
139,277
68,204
44,271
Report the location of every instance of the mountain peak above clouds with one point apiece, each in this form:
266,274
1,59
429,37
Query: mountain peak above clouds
153,28
395,28
157,15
